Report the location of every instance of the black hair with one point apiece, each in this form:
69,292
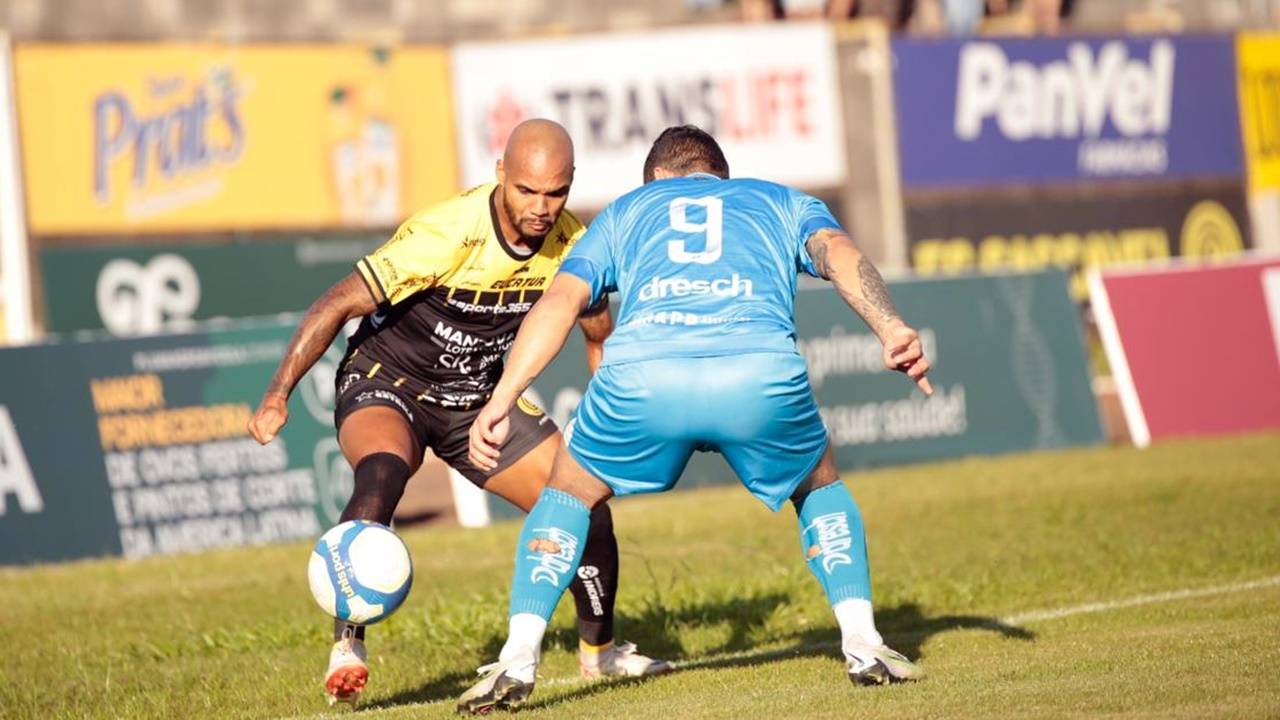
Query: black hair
683,149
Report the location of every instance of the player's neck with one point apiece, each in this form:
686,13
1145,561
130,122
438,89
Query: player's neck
509,233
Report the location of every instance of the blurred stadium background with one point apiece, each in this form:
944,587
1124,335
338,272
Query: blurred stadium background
1078,201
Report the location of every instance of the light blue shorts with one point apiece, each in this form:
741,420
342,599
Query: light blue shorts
639,422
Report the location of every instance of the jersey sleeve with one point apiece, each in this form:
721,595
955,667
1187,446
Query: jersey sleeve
591,259
424,252
811,215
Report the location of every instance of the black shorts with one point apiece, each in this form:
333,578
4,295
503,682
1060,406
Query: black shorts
445,430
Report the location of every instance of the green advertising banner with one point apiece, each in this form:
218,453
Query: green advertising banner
137,447
1009,374
140,289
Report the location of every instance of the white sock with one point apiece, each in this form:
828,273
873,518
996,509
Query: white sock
857,622
525,631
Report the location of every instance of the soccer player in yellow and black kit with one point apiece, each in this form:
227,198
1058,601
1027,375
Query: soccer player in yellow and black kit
441,302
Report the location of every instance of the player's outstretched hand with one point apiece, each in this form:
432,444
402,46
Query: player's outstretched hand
903,352
271,415
488,433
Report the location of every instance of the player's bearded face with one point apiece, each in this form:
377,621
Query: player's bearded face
533,198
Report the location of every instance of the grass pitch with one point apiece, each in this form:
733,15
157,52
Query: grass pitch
964,555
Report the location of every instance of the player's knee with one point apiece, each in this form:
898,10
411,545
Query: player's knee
380,479
570,477
821,476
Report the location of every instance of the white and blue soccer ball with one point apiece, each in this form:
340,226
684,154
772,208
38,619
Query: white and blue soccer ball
360,572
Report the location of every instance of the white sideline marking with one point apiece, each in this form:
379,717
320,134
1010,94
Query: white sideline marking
1097,607
1017,619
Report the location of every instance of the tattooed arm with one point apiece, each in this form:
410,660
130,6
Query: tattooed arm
319,326
856,279
837,259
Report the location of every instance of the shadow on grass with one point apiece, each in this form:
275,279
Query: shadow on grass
904,627
656,630
446,687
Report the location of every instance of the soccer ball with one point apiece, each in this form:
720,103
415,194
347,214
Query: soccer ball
360,572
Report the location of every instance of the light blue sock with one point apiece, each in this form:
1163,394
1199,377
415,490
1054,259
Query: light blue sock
550,549
835,543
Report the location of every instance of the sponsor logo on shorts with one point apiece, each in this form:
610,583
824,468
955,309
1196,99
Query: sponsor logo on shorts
554,553
834,540
347,381
390,397
528,407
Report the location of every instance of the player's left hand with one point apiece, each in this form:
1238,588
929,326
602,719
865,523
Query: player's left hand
904,353
488,433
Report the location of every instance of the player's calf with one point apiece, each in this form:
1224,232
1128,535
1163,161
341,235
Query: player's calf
835,549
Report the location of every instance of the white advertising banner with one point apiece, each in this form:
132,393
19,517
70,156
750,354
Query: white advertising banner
16,324
769,94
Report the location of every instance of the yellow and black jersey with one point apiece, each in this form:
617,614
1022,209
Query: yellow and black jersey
451,292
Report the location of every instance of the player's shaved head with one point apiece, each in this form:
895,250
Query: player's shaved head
534,175
684,149
539,142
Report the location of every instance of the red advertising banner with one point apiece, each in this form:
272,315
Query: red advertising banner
1195,350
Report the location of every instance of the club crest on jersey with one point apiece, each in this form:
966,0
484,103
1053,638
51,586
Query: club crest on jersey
554,552
833,542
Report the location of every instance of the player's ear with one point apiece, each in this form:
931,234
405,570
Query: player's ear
499,172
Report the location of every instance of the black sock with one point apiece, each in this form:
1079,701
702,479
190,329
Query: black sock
596,584
379,483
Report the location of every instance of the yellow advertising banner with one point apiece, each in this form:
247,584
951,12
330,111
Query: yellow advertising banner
1259,69
182,137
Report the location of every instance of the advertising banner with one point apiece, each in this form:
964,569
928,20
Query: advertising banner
1026,110
1010,375
1259,63
1075,228
769,94
180,137
1194,350
139,289
138,447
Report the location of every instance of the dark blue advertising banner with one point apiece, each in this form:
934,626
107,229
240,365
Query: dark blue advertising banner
1018,110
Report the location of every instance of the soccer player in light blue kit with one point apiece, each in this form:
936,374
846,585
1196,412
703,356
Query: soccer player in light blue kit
703,358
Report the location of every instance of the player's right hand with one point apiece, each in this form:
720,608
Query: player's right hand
270,416
488,433
904,353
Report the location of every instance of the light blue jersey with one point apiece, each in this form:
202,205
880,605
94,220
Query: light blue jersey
703,266
705,269
703,360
